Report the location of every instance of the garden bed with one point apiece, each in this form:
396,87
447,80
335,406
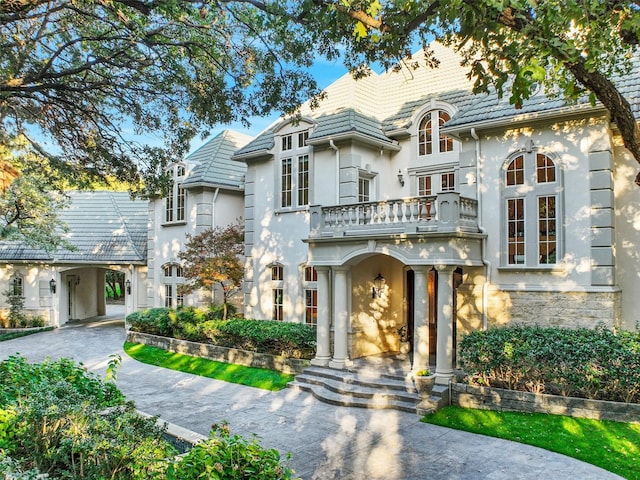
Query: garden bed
220,354
490,398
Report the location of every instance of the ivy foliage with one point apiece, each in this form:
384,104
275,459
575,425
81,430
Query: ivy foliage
589,363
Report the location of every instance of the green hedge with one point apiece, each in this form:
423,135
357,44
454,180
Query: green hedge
293,340
587,363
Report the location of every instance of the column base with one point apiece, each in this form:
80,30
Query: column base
340,364
443,378
320,361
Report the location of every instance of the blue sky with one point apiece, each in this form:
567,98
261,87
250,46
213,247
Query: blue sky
324,72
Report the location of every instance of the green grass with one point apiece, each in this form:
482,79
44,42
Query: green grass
11,336
614,446
228,372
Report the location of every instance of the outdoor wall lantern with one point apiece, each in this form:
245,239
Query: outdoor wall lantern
52,285
127,284
401,178
378,284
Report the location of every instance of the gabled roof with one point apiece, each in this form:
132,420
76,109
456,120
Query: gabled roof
104,227
215,167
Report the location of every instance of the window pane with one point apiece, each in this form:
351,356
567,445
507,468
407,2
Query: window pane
168,271
310,274
277,272
179,271
168,296
17,287
302,139
277,304
424,185
446,143
547,229
425,142
363,189
545,169
286,143
515,171
168,216
516,232
286,182
180,200
448,182
311,307
303,180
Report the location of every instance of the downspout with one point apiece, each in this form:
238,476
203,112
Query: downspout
335,149
213,225
485,259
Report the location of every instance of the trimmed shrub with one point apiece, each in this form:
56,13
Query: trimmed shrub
292,340
587,363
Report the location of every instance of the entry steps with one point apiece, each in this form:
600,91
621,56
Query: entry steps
368,388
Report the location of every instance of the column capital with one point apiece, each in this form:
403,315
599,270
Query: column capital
322,268
445,268
421,268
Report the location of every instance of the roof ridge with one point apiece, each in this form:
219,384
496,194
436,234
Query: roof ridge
124,224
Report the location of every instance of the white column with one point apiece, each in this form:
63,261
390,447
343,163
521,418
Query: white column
444,350
340,318
420,318
323,332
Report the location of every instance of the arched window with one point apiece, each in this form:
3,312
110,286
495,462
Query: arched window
430,140
310,283
532,210
173,277
175,201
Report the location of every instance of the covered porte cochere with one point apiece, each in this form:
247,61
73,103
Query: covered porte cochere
389,289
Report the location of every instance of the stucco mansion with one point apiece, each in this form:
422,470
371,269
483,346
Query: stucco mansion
400,214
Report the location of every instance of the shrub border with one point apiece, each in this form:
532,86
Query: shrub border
221,354
489,398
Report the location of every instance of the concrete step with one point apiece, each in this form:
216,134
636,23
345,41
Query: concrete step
349,388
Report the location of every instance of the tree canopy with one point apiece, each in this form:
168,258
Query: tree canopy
101,79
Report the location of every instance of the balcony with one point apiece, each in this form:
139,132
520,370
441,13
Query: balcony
443,213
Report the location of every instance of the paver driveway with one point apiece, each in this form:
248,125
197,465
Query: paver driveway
326,442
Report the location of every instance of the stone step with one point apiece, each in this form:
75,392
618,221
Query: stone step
359,389
365,379
325,395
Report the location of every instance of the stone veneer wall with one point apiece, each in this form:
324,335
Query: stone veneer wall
559,309
220,354
486,398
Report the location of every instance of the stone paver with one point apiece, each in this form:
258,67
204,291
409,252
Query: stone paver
326,442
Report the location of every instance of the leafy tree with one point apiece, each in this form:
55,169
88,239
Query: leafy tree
212,258
115,283
30,201
87,74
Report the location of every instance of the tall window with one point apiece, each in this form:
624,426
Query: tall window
277,292
175,201
430,140
532,210
173,278
294,170
364,189
310,296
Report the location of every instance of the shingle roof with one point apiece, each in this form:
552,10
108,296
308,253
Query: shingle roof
104,227
488,108
215,166
262,142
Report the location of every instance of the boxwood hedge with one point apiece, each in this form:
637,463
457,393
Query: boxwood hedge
588,363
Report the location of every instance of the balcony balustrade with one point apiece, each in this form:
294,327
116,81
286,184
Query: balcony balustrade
445,212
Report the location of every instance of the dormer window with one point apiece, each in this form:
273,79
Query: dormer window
430,140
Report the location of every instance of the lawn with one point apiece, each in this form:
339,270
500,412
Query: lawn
11,336
228,372
614,446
